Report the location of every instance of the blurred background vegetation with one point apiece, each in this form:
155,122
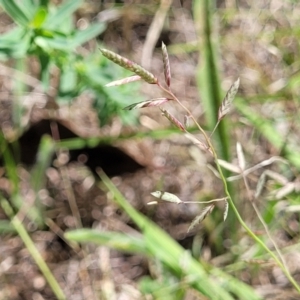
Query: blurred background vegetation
60,125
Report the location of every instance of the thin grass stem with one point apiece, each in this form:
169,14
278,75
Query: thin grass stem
229,198
34,252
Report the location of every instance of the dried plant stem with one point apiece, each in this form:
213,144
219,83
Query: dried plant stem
229,198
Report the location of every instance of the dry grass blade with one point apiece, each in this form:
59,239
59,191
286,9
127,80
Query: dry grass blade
172,119
228,166
165,196
196,142
226,208
124,80
240,156
186,121
129,65
256,167
148,103
226,103
167,70
205,212
260,185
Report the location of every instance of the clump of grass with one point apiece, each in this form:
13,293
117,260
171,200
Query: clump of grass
206,145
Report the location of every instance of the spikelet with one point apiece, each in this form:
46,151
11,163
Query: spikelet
129,65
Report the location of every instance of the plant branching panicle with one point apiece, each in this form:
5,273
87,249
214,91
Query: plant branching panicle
205,145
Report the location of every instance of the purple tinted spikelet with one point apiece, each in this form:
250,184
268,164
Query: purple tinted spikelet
129,65
148,103
172,119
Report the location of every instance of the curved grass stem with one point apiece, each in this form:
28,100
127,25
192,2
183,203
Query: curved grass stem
229,198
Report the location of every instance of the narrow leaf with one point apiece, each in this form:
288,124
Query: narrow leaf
124,81
228,166
225,210
165,196
226,103
240,156
15,12
172,119
64,11
205,212
148,103
119,241
167,70
260,185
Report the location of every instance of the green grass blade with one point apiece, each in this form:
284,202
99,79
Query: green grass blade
208,74
79,143
209,86
28,7
38,176
9,164
63,11
119,241
34,252
172,255
82,36
15,12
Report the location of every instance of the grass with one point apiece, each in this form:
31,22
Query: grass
263,59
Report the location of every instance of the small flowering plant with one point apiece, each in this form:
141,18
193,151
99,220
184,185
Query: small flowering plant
142,74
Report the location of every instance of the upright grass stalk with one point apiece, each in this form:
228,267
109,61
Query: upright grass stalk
208,82
230,200
222,110
208,74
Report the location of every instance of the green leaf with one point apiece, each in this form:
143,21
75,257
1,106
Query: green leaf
45,70
38,177
44,157
39,18
15,12
28,7
57,43
119,241
82,36
71,42
14,43
9,163
68,84
64,11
